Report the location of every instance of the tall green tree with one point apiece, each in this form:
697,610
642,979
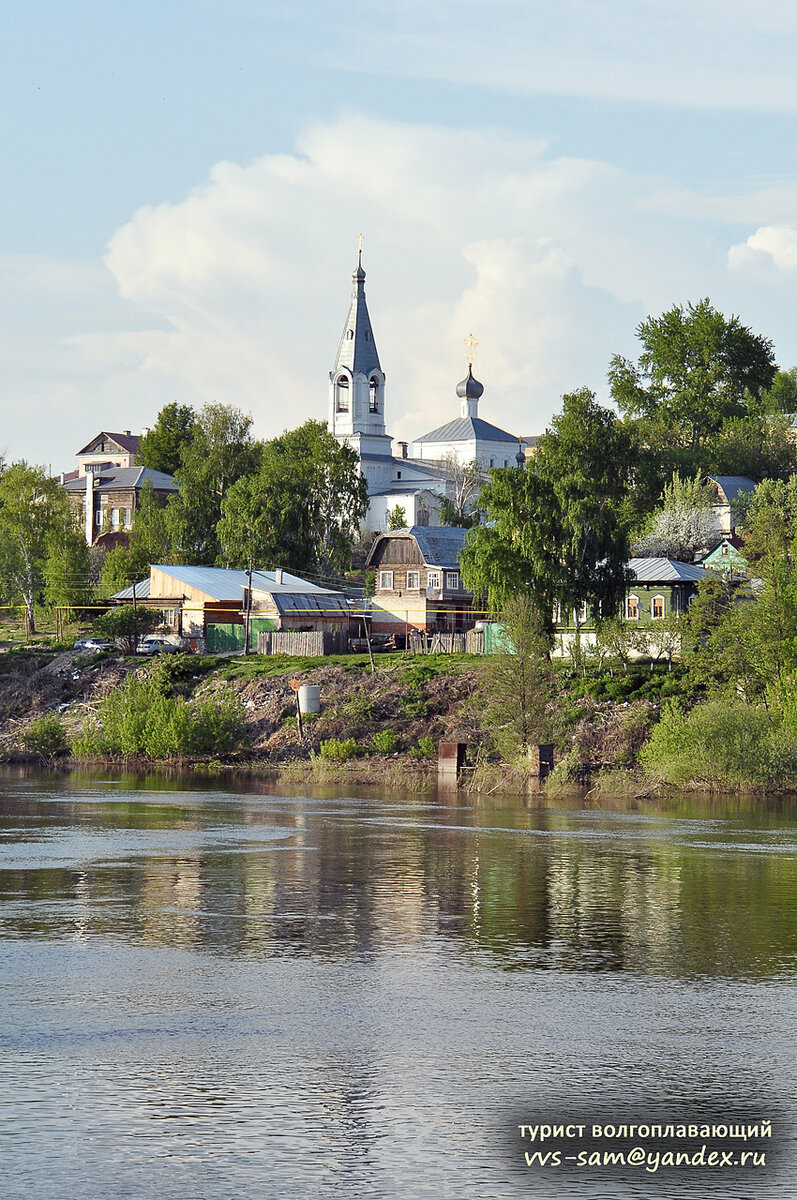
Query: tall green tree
221,452
35,515
558,528
303,507
697,370
162,447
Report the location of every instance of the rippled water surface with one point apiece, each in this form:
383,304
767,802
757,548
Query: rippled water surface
213,992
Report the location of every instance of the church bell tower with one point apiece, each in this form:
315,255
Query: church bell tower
357,383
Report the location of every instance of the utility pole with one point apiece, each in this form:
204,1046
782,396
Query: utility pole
248,619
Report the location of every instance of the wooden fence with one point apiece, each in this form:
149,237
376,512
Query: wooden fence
310,643
437,643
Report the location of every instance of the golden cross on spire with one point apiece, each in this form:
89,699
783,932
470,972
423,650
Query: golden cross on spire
360,237
470,345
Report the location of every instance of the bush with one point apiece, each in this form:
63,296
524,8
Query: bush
140,719
722,743
426,748
336,750
46,737
385,742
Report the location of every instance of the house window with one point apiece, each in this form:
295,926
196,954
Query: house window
114,518
724,549
581,614
413,580
433,580
452,580
342,394
632,608
657,608
386,581
557,613
126,518
98,517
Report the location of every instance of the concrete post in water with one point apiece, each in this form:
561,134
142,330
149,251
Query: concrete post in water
450,761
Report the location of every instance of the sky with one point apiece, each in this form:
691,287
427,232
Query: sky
185,182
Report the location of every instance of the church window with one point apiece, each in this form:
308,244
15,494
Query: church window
373,393
492,462
342,392
398,474
349,334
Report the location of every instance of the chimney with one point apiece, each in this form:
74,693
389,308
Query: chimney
403,449
278,575
126,432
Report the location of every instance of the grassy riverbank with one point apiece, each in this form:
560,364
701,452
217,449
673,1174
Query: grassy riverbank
375,726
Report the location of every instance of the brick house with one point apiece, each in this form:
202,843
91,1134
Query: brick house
107,484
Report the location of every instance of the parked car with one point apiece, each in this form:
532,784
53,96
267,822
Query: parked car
93,643
157,645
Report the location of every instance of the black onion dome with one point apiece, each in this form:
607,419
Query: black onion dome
470,388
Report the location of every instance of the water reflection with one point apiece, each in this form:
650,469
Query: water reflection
702,889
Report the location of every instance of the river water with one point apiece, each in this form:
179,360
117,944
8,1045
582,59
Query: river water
210,991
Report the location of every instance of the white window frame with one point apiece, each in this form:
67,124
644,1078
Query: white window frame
433,580
413,581
653,600
386,581
452,580
628,600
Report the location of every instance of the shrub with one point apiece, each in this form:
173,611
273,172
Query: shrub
336,750
140,719
426,748
722,743
385,742
45,736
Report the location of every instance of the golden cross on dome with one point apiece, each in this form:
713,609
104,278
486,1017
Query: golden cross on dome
470,345
360,237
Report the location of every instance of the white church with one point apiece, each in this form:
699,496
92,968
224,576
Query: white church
414,479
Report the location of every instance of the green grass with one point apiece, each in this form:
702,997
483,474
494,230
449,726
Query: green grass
257,666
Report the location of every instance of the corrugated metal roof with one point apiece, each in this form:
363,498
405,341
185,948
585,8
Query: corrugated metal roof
114,478
468,429
664,570
142,591
223,583
734,485
328,603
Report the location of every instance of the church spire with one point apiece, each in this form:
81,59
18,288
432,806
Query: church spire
357,350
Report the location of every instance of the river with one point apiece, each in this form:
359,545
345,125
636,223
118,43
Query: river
212,991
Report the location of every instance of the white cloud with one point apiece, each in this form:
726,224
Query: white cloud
771,246
238,293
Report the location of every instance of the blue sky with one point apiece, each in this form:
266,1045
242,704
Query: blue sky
185,182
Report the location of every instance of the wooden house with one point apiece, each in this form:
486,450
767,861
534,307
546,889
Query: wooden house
418,584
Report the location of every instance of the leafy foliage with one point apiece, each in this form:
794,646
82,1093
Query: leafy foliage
558,528
37,538
338,750
385,741
127,625
220,453
396,517
516,685
46,737
139,719
303,507
697,371
161,448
